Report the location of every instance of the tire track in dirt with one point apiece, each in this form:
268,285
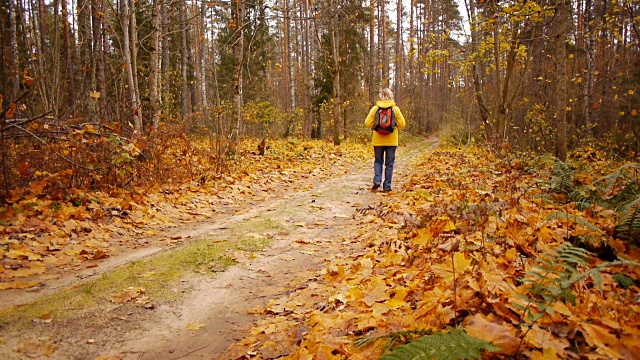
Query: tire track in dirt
308,231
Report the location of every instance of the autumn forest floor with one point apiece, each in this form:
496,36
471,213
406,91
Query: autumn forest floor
295,231
299,258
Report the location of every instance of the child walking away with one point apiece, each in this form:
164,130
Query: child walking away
385,119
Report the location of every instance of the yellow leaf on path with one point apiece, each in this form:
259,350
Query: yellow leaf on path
546,354
379,309
450,226
510,254
334,273
89,128
22,255
35,269
423,237
501,335
18,285
367,322
461,262
127,295
543,339
561,308
355,294
99,254
376,294
395,303
37,348
606,342
393,258
400,293
547,235
194,326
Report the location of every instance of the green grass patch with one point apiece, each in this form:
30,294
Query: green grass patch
158,275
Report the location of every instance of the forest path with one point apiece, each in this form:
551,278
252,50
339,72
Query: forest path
306,228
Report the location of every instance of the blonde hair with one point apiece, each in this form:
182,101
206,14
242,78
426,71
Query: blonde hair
386,94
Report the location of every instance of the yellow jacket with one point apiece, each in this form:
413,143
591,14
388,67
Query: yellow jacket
385,140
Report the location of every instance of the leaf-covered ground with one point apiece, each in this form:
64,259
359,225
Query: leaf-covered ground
43,239
463,241
458,247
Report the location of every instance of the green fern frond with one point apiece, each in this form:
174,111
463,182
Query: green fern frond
625,172
563,216
544,198
393,338
543,161
562,180
582,199
626,195
623,280
628,227
453,345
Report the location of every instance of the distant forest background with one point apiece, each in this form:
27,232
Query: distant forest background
540,76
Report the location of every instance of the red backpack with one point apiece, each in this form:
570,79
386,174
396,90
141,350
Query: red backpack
385,121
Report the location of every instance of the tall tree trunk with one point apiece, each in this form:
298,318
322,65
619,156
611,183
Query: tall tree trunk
69,49
102,63
337,134
286,62
98,81
202,63
477,84
308,61
42,66
135,45
184,63
86,59
561,20
15,59
237,14
497,71
412,53
372,53
399,54
587,93
126,48
384,56
154,55
166,55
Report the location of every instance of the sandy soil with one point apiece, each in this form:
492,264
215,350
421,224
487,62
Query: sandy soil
216,311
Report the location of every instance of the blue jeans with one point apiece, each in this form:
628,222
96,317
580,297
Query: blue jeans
384,155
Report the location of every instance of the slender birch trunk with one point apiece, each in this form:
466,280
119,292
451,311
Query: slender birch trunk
561,20
237,15
184,63
202,64
97,64
154,75
135,45
372,52
128,65
337,101
69,58
399,54
86,59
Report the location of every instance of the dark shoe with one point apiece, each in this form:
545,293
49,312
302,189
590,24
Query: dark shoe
375,187
386,190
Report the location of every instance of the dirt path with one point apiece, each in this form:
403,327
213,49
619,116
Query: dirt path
307,228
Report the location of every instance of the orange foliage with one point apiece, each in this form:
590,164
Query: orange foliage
473,224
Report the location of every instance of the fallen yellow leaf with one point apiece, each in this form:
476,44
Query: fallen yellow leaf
194,326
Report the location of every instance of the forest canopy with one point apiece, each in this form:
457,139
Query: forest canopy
542,76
